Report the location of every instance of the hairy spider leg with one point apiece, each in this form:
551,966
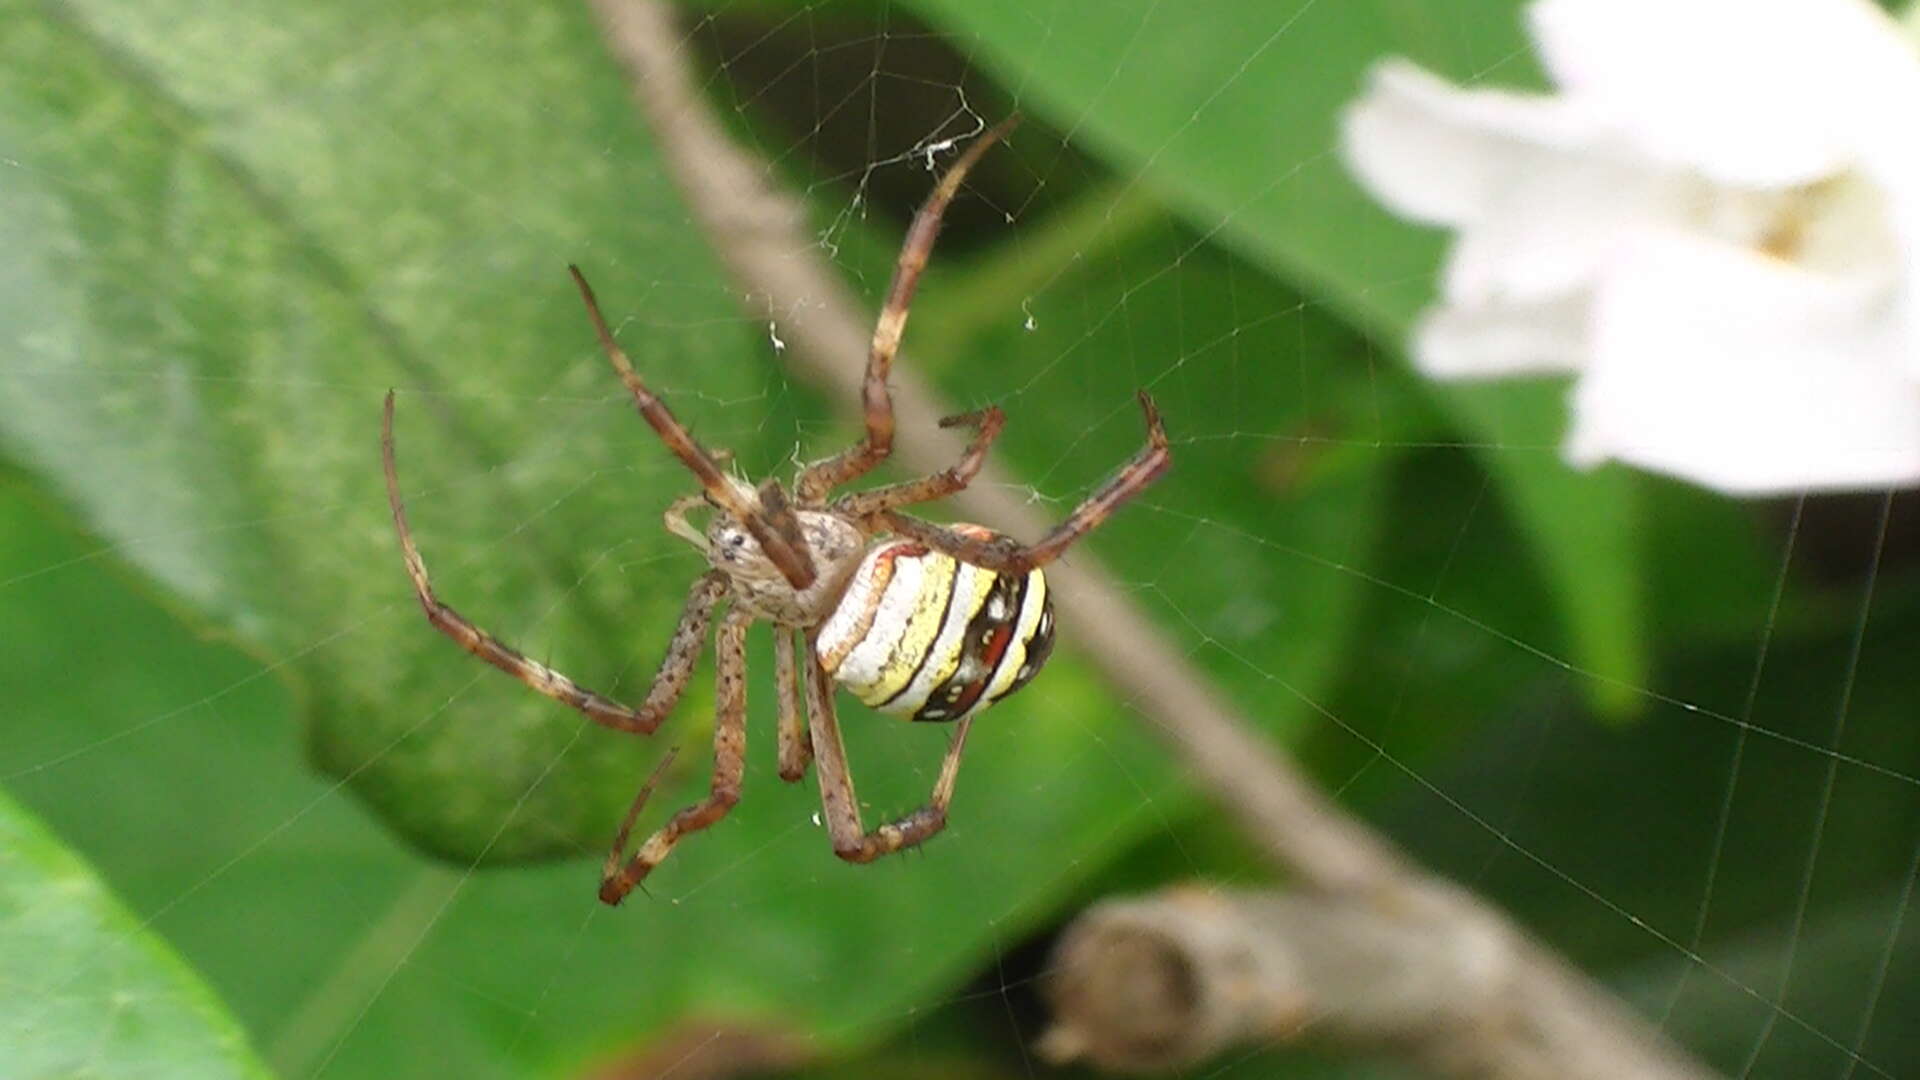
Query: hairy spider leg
999,555
682,652
796,745
986,423
729,765
841,806
850,464
786,549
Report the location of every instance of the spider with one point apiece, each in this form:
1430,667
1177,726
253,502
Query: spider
934,623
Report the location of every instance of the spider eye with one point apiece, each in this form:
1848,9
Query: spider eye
729,543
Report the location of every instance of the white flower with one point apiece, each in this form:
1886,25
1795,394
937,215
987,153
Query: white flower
1714,224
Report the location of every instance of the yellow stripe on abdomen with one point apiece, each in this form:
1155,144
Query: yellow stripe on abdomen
971,584
913,636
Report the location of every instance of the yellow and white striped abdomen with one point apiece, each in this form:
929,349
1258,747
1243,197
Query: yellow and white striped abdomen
921,634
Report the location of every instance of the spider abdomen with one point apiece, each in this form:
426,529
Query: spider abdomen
921,634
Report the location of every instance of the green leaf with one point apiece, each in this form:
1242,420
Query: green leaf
1853,982
1704,828
89,988
1232,117
222,257
1584,528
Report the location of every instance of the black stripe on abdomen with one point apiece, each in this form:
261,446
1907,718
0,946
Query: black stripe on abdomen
988,639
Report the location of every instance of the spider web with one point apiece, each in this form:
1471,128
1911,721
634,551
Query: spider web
1727,833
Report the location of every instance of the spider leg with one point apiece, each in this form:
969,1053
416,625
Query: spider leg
850,464
788,552
729,764
675,518
796,746
778,514
851,840
986,422
612,867
1007,558
667,685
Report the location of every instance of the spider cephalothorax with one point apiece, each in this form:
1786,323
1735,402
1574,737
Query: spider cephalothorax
757,582
927,621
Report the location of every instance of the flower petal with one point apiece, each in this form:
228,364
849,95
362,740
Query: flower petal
1554,228
1461,342
1538,199
1903,236
1766,94
1439,154
1744,374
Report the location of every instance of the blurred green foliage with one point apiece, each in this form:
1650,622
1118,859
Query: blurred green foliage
88,991
229,229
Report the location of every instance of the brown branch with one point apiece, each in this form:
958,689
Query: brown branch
1172,980
760,233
